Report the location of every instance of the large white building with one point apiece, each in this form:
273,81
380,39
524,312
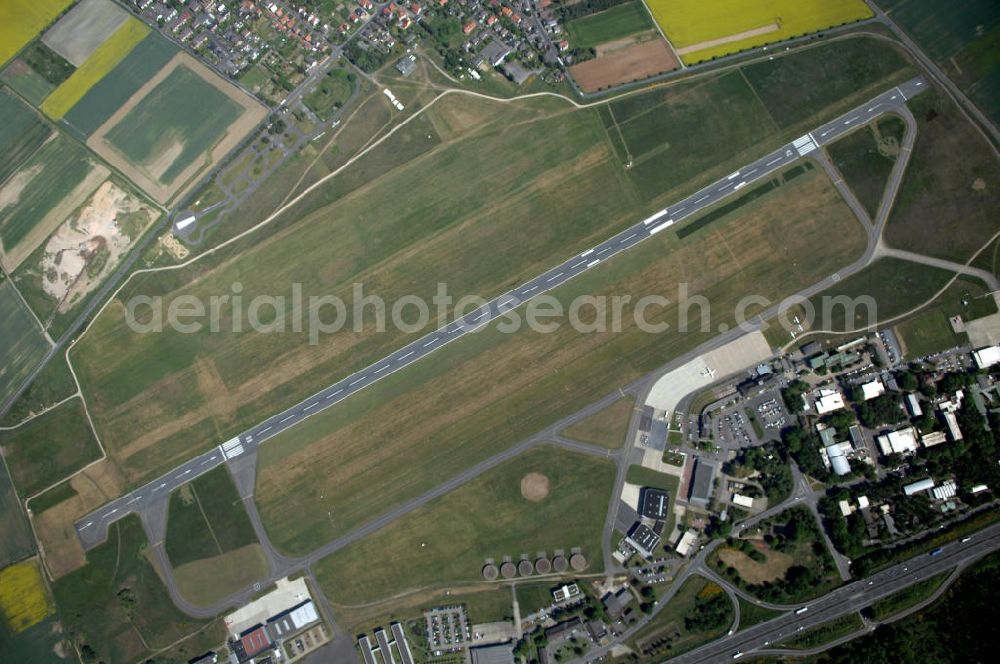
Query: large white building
903,441
986,357
828,400
873,389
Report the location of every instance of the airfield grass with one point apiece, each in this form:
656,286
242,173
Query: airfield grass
946,206
21,20
486,391
668,628
62,165
864,164
688,23
206,519
114,90
17,542
618,22
330,93
545,162
826,632
118,606
904,599
21,134
26,82
22,345
930,330
207,581
607,427
448,540
50,447
183,108
24,600
97,65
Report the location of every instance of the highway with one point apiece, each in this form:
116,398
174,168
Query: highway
92,529
847,599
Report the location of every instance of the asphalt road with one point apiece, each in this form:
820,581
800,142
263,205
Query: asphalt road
92,528
848,599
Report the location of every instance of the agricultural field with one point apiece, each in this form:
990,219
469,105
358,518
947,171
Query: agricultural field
22,133
30,210
866,157
946,206
492,516
607,427
616,64
17,542
26,82
114,90
330,93
82,29
53,384
118,608
963,40
609,25
343,453
22,345
701,31
210,540
97,65
24,600
48,448
83,251
178,123
22,20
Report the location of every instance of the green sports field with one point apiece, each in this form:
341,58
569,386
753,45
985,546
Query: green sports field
22,345
489,517
185,110
618,22
49,448
21,133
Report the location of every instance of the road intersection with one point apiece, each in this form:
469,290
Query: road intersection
92,528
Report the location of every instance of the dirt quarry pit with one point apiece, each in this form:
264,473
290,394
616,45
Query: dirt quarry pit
535,487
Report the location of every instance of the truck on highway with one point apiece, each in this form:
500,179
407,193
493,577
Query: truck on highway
799,612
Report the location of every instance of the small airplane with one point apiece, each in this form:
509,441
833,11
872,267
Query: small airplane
709,371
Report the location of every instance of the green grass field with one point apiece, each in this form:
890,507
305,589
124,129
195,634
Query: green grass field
61,164
207,519
112,91
22,345
26,82
964,43
492,404
752,614
21,134
606,428
907,597
947,202
668,627
17,542
118,607
49,447
930,331
866,157
183,109
448,541
331,93
618,22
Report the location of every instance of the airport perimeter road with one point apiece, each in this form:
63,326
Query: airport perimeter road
92,529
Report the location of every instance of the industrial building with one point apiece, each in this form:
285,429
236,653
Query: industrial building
502,653
702,483
643,539
655,503
903,441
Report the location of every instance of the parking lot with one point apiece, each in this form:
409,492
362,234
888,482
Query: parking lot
743,422
447,628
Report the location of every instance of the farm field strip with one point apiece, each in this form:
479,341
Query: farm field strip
22,20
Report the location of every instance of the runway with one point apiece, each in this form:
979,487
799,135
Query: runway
92,529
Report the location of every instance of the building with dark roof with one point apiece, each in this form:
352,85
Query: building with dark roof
654,503
406,64
616,603
643,539
702,483
402,646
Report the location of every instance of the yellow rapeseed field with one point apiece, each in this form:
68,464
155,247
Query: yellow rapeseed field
21,20
23,599
101,61
702,30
